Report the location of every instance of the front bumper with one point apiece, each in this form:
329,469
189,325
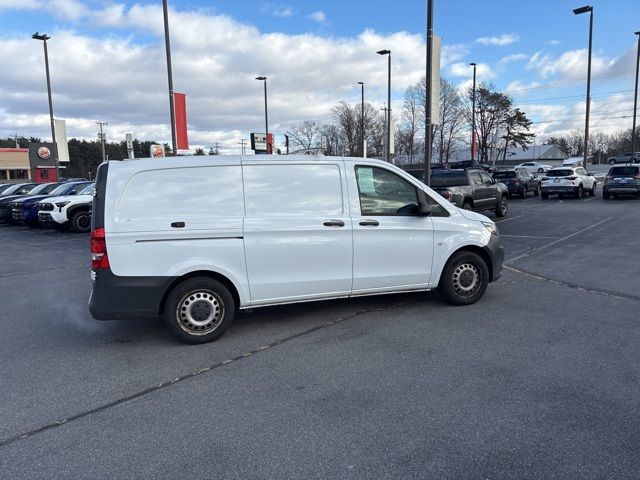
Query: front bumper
52,217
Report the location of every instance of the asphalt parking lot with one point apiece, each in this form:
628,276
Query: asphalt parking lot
540,379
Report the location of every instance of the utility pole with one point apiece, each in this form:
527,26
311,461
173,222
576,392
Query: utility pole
217,145
102,136
15,137
286,142
386,138
242,142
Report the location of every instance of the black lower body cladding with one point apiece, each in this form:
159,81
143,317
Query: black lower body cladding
495,251
124,298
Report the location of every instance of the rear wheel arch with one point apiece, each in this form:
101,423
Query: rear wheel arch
201,273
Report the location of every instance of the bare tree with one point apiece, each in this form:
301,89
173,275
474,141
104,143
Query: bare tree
305,135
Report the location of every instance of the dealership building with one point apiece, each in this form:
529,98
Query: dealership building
36,163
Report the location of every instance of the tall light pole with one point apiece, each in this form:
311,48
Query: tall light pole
428,96
578,11
635,104
172,111
388,142
44,37
266,115
362,118
473,114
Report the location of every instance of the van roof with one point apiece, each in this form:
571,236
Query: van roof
214,160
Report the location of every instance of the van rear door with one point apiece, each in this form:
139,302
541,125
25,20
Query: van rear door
297,231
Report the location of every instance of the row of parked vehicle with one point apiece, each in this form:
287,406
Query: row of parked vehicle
61,205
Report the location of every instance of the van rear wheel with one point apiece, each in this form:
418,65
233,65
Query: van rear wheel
464,279
199,310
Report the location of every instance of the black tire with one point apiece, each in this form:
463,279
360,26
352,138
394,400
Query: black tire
612,162
214,312
503,207
524,192
80,222
464,279
541,170
579,192
536,192
592,192
605,195
544,195
467,206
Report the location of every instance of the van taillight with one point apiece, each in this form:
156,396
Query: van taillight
571,178
99,257
446,194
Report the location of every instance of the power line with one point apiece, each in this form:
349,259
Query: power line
602,76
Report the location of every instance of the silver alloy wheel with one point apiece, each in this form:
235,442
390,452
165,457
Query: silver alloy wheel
503,206
200,312
467,279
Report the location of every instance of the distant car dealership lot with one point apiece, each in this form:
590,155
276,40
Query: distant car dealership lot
536,380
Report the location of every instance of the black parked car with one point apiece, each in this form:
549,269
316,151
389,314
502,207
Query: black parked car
622,180
15,191
518,181
471,189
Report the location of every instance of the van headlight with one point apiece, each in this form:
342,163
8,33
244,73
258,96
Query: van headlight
491,227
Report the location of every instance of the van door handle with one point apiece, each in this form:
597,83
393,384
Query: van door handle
334,223
369,223
177,224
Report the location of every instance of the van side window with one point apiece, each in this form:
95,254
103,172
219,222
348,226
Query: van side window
272,190
181,193
384,193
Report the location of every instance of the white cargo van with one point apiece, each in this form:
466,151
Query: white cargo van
196,238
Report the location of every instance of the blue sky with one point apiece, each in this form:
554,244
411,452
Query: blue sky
314,52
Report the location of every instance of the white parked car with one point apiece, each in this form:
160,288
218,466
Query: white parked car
69,210
568,181
534,167
195,240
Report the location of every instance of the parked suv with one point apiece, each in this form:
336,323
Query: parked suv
624,158
25,210
471,189
567,181
7,196
73,211
518,180
622,180
195,240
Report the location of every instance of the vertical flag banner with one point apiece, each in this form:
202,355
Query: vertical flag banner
180,101
61,140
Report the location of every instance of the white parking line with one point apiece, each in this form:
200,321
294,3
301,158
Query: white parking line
524,236
510,218
561,239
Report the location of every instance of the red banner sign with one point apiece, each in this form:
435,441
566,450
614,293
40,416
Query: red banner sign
180,102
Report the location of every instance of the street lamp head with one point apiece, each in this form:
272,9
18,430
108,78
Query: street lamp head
360,83
585,9
473,64
261,78
37,36
636,33
383,52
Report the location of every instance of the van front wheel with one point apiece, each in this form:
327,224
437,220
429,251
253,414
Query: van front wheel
199,310
464,279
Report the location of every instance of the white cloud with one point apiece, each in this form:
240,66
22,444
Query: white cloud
571,64
553,42
319,16
276,10
461,69
502,40
516,57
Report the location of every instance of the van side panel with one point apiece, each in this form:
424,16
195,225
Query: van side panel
298,231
